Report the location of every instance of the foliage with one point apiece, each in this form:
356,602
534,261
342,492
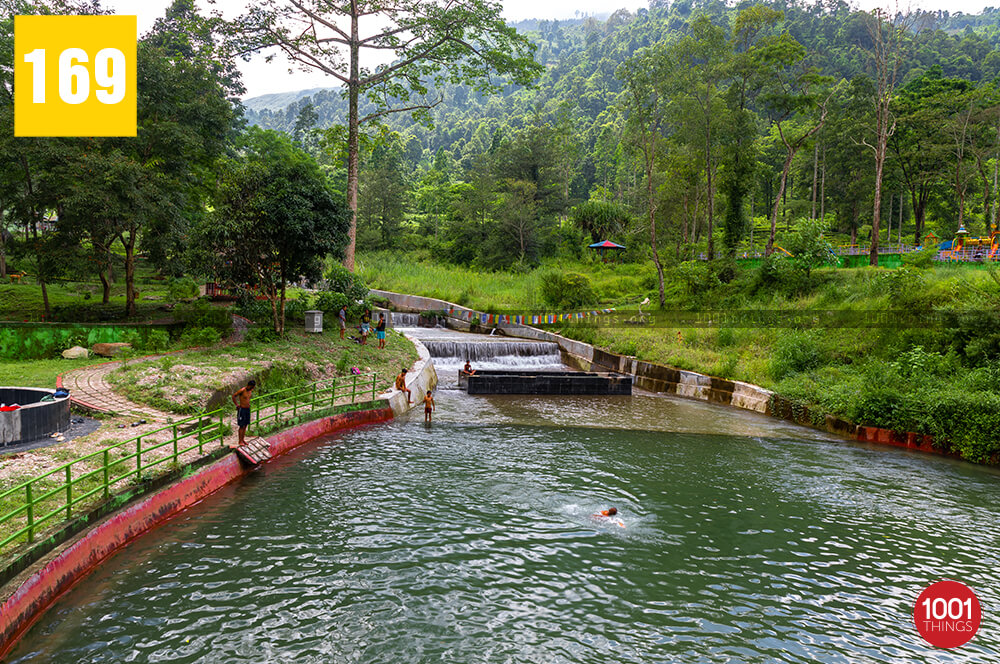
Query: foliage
182,288
566,290
201,313
275,219
200,336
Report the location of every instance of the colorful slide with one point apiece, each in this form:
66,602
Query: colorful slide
994,254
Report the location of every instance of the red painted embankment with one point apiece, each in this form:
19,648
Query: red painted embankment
74,562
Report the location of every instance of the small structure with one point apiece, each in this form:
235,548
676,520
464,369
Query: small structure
255,452
33,418
545,382
603,247
314,321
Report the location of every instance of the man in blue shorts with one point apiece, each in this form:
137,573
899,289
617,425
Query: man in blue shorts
242,402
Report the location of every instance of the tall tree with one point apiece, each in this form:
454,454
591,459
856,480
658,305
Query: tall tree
791,95
646,105
413,42
887,37
700,61
275,218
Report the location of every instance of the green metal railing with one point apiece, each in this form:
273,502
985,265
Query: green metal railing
52,497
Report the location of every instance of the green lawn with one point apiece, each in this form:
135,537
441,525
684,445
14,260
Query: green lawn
39,373
184,383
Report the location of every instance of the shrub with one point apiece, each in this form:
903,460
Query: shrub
263,333
201,313
341,280
921,260
781,275
698,277
566,290
184,288
157,340
725,337
343,363
796,352
248,306
200,336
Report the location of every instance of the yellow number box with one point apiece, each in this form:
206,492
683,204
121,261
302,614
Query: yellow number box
75,75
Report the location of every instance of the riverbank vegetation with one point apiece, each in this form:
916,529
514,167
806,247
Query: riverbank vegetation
922,352
196,381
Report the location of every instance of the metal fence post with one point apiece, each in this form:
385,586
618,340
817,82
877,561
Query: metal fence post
201,429
354,388
333,393
138,459
175,442
31,512
374,377
107,488
69,491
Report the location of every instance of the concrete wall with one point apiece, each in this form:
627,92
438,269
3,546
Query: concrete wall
419,378
28,596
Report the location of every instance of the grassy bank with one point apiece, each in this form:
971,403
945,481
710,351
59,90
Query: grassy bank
184,384
941,378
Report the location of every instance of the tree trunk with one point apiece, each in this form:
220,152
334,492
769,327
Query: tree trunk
130,308
652,219
812,214
877,213
353,129
711,191
45,300
3,253
281,315
105,286
822,189
769,249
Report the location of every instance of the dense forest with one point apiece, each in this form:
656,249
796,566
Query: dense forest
492,180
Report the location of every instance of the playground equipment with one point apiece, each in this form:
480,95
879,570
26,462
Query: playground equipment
971,249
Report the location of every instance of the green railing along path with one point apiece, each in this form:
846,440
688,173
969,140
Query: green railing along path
42,502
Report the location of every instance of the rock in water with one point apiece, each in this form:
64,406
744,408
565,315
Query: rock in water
110,350
76,353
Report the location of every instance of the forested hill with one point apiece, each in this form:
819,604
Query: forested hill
582,55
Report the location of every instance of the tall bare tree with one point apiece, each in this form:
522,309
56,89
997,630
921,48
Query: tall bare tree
888,35
410,46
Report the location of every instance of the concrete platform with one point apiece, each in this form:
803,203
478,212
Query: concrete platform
585,383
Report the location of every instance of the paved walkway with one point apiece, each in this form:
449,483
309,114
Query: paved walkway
88,387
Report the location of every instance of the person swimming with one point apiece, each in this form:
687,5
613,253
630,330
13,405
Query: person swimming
609,514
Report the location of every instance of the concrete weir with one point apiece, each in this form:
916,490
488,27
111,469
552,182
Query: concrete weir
581,383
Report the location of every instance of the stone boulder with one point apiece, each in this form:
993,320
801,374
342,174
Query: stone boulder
76,353
110,350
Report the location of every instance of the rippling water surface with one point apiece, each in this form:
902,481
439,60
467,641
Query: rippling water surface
467,543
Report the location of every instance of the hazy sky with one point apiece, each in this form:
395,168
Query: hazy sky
263,78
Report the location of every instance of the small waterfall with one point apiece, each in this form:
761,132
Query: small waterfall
405,320
494,354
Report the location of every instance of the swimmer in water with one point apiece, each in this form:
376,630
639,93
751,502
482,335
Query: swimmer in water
609,514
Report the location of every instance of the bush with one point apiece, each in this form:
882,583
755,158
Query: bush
343,363
201,313
698,277
341,280
781,275
248,306
295,311
921,260
263,333
566,290
796,352
184,288
200,336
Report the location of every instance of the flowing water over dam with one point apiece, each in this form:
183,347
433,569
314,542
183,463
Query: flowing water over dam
472,540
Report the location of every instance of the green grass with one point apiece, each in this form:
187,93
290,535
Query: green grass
39,373
185,383
614,283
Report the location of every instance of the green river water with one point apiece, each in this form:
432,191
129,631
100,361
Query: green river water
471,540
